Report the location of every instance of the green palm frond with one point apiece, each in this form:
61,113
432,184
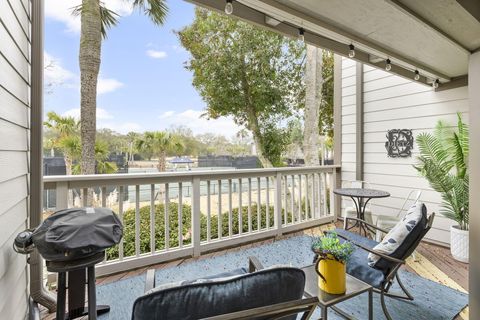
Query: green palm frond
458,154
156,10
71,146
443,162
101,150
159,142
108,17
105,167
433,150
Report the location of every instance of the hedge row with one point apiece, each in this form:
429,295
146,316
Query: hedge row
129,226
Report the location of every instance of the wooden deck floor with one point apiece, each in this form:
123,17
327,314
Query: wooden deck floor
432,262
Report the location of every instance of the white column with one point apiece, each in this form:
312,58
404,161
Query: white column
474,166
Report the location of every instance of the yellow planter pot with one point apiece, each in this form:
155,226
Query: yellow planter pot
332,275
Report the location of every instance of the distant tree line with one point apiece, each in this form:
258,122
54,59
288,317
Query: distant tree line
62,138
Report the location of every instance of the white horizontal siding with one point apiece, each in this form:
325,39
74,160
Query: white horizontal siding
9,21
14,137
12,109
14,153
392,102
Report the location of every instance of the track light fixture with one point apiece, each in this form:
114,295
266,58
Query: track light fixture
229,7
351,52
301,34
435,84
388,65
417,75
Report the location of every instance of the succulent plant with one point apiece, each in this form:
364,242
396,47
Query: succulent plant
330,247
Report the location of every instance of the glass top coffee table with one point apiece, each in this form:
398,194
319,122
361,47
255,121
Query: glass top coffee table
326,300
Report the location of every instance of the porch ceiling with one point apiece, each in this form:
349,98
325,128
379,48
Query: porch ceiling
435,37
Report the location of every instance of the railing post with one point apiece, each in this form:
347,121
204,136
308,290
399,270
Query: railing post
278,203
335,204
61,195
196,216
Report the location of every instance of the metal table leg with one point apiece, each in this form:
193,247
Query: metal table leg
370,304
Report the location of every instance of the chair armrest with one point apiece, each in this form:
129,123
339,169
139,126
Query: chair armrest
368,224
254,264
392,259
150,280
276,311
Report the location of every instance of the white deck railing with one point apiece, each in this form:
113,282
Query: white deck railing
290,199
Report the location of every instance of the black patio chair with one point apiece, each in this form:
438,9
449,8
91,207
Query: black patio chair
257,293
382,276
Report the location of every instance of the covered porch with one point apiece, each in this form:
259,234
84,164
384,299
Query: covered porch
429,50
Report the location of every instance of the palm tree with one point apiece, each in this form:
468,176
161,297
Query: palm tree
101,156
160,143
65,138
132,137
71,149
96,19
61,125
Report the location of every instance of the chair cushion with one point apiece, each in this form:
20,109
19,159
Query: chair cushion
357,265
216,277
401,237
222,296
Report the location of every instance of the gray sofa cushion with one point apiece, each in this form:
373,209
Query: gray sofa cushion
200,300
358,266
213,278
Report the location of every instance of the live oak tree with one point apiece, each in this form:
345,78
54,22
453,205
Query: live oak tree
96,19
251,74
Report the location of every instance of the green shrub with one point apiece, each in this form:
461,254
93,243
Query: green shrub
235,220
129,229
129,226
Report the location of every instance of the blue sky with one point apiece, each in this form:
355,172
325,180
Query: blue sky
143,84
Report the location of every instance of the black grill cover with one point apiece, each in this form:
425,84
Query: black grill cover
77,233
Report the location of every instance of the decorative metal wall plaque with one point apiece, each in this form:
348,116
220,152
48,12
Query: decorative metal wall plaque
399,143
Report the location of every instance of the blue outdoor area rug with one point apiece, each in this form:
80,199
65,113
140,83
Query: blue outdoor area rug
433,301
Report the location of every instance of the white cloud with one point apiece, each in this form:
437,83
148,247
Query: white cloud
106,85
156,54
194,120
123,128
167,114
102,114
55,73
104,120
61,10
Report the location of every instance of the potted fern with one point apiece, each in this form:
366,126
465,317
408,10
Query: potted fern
443,161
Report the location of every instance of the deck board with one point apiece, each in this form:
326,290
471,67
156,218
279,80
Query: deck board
433,262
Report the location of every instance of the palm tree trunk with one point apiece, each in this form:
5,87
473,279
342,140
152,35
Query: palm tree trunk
162,162
68,165
89,60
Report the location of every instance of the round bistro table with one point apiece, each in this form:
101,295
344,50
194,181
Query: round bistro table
360,198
